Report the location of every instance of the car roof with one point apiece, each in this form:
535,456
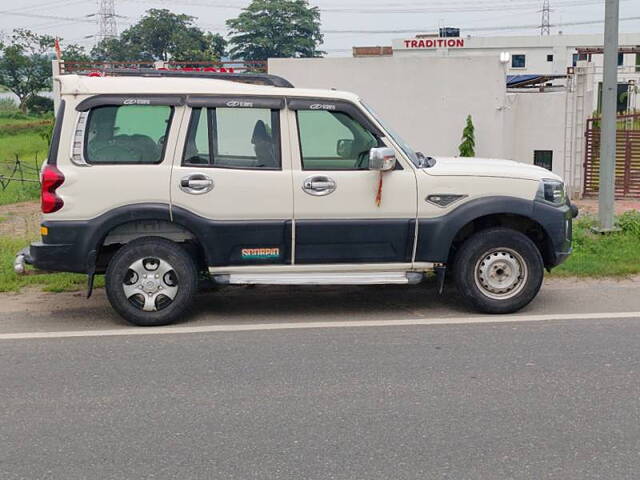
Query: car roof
84,85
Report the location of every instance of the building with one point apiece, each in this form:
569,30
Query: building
532,99
527,55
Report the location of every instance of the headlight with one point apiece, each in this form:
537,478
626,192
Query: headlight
551,191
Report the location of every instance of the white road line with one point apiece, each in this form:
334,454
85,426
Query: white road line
300,325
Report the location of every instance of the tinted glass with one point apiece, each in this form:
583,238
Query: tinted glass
127,133
333,141
233,138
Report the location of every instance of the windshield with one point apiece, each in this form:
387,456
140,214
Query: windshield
408,151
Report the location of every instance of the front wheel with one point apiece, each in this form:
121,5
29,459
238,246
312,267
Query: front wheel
151,281
498,270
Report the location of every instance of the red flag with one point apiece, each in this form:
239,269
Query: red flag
58,51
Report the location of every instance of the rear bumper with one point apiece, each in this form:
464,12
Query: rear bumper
50,257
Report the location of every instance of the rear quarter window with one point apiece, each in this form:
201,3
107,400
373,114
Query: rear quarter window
127,134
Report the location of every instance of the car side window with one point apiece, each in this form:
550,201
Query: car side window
122,134
233,138
333,141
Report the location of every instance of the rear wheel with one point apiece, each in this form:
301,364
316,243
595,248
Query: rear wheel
498,270
151,281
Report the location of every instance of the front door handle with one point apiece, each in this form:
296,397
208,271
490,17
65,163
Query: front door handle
319,185
196,184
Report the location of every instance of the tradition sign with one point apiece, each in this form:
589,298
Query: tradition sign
432,43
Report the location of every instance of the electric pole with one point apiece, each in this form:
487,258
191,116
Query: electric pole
545,25
606,197
106,18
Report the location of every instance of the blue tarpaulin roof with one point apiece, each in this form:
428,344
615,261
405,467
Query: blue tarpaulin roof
528,80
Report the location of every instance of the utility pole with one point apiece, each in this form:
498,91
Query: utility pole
106,18
606,197
545,25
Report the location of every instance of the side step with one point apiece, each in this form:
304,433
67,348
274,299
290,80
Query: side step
320,278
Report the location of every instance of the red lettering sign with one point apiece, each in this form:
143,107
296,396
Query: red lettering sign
435,43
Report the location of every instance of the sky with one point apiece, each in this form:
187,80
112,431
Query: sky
345,23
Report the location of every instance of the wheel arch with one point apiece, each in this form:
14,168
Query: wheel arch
440,237
520,223
110,231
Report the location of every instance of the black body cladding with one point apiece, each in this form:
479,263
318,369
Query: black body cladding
72,246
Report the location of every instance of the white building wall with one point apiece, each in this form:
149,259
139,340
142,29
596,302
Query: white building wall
538,124
426,100
534,47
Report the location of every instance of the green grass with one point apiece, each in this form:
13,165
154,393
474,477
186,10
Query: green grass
50,282
30,148
597,255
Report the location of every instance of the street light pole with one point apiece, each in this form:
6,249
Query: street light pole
609,114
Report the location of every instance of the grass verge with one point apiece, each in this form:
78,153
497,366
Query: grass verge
49,282
597,255
31,148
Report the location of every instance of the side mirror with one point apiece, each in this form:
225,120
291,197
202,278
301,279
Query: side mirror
382,159
344,148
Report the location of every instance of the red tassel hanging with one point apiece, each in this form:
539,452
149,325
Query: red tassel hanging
379,194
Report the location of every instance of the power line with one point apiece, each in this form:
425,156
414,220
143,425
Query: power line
46,17
480,29
404,8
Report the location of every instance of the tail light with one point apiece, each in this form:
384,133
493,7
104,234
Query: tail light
52,178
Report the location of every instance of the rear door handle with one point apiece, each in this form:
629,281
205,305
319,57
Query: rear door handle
319,185
196,184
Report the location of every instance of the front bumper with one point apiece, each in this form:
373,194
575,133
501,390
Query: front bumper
558,223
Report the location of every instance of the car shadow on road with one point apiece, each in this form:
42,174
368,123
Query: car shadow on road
269,303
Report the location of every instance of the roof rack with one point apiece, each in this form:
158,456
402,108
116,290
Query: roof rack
253,78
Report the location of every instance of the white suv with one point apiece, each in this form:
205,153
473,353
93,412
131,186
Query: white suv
161,179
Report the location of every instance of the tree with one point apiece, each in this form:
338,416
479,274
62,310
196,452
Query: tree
276,28
74,53
468,145
25,66
162,35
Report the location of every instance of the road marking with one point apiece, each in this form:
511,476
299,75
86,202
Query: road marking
116,332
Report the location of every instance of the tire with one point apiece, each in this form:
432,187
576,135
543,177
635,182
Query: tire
151,281
498,270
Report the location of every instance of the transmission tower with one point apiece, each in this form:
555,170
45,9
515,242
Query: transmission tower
106,19
545,26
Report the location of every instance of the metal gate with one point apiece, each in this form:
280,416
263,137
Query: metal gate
627,156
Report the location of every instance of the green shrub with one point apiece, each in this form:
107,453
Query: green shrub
37,104
629,222
8,105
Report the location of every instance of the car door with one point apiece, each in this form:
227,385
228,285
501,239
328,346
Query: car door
232,179
338,218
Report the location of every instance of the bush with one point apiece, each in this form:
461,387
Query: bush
8,105
629,222
37,104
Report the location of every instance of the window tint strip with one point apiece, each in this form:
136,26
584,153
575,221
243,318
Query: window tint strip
236,102
134,99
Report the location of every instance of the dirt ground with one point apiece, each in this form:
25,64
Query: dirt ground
20,219
590,205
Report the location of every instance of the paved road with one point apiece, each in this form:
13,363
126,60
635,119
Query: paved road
514,400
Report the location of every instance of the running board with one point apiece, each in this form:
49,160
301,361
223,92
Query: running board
320,278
